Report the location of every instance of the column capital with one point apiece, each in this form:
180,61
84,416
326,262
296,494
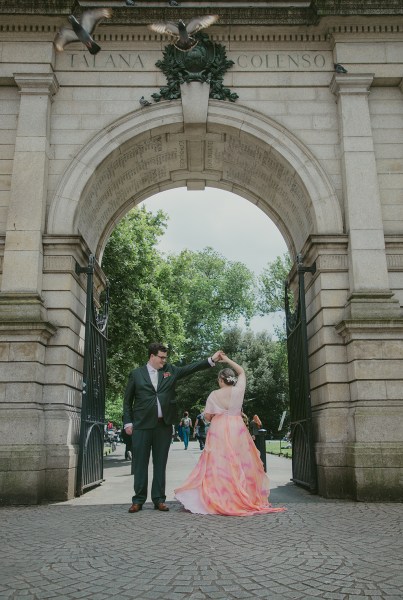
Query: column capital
37,83
351,83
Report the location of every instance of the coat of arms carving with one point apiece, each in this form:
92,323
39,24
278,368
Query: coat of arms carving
206,62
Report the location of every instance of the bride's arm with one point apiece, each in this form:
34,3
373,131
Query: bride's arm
208,416
237,368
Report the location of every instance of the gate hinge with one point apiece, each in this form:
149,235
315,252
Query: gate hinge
79,269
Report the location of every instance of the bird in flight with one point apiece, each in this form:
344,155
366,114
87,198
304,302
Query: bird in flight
82,30
182,32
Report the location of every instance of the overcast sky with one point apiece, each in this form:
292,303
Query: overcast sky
228,223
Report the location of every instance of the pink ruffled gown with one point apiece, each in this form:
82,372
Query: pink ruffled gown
229,478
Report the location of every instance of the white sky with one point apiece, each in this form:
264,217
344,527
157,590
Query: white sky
228,223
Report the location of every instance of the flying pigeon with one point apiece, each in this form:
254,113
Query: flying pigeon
182,32
339,68
144,102
173,3
130,3
82,30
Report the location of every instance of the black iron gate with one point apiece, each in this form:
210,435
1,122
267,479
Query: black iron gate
303,457
91,448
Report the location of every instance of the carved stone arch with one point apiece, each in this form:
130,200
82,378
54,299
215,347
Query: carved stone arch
239,150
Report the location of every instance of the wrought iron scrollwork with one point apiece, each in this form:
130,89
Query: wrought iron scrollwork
303,459
90,458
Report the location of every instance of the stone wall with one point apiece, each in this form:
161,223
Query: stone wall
320,153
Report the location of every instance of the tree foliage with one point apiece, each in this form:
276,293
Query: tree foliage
185,301
271,285
139,311
209,293
265,364
192,302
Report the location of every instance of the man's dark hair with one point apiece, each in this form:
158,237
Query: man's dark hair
156,347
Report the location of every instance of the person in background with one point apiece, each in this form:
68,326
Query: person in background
180,434
186,423
254,426
200,430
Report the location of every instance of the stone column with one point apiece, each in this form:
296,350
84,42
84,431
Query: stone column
24,328
370,295
23,254
371,326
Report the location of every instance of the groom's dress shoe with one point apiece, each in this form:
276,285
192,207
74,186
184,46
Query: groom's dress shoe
161,506
135,508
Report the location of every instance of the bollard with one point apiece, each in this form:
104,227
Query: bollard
260,442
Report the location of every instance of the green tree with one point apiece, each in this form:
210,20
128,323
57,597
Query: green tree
211,293
185,301
271,285
265,364
139,311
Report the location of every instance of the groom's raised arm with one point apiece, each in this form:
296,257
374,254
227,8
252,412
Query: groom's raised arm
197,366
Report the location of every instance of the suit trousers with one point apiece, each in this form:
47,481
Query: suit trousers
158,442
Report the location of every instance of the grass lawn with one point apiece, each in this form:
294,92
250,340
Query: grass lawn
273,447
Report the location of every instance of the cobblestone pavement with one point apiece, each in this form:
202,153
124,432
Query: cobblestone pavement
92,548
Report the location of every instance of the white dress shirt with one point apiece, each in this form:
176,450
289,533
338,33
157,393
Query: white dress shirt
154,380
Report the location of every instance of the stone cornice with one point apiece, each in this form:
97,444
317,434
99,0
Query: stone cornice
262,12
357,7
369,328
34,28
37,83
351,83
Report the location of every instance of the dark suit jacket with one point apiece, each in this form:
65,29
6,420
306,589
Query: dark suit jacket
140,401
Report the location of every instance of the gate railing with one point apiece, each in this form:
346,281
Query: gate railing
91,444
303,455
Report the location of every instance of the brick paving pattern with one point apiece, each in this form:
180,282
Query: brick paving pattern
92,548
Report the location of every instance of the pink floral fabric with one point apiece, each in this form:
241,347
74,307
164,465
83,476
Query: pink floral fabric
229,478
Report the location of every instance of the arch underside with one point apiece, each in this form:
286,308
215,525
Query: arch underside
237,150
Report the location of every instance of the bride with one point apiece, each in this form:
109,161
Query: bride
229,478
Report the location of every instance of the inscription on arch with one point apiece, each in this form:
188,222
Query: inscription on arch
131,170
123,175
263,172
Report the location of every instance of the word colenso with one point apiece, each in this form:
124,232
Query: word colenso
281,61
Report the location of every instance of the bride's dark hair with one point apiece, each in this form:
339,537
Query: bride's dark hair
228,376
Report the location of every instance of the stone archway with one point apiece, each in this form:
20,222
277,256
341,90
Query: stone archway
144,153
237,149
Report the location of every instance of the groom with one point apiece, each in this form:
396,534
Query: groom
149,411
